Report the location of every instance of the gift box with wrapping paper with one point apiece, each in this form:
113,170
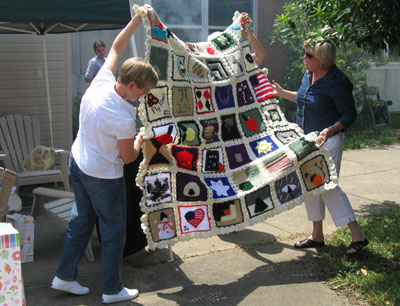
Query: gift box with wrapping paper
11,284
25,225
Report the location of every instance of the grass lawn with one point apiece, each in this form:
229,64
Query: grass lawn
374,276
361,136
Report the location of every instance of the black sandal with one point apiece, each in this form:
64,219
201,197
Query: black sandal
357,246
309,243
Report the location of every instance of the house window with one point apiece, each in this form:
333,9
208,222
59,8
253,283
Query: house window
186,19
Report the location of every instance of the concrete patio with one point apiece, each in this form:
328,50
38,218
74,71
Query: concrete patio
257,266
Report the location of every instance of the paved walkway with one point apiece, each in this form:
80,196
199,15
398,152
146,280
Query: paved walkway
257,266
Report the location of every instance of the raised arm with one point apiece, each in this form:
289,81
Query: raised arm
120,43
259,51
284,93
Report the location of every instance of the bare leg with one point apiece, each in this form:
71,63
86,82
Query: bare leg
316,239
317,233
356,235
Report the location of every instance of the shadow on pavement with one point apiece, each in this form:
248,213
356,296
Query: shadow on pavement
267,272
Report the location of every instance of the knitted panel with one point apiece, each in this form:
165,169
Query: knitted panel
219,154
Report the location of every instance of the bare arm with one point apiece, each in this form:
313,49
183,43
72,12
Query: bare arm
259,51
329,131
284,93
129,148
120,43
192,47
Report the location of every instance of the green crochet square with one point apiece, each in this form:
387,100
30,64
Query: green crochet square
224,41
302,148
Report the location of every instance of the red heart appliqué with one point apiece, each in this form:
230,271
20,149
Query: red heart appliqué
195,217
210,50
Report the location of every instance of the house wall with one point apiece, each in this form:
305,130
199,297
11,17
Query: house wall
82,51
276,60
23,86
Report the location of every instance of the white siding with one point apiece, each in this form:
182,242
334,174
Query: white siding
23,86
82,52
387,79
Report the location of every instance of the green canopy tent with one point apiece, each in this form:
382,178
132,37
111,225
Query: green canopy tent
42,17
60,16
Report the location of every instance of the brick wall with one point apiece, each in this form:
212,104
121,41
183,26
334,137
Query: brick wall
276,60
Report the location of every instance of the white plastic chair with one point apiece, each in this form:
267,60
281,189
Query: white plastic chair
19,135
59,209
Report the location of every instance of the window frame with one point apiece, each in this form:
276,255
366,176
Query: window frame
205,27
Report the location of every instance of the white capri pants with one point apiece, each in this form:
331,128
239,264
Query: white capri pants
335,199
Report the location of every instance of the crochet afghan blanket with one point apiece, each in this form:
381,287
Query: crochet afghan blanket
219,154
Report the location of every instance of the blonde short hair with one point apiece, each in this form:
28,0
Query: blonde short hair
138,70
323,50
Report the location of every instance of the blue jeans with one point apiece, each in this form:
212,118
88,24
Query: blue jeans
105,198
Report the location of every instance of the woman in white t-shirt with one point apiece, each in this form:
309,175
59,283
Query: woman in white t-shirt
105,142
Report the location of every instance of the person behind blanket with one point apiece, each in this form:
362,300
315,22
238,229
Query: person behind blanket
325,103
96,62
104,143
259,51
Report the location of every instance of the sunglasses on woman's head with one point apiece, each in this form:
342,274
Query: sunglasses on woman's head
308,54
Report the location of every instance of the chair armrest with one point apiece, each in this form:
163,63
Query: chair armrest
3,156
53,193
64,161
6,160
40,193
59,151
64,156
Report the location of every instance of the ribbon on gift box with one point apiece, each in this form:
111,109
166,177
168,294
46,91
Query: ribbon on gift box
9,241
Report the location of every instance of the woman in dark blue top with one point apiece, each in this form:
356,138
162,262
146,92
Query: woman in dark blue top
325,104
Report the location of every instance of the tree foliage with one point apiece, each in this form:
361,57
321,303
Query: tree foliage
357,27
369,24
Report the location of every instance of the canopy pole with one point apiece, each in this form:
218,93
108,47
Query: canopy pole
46,76
133,42
139,37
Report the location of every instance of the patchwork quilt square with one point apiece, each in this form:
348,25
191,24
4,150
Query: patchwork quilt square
227,213
203,100
157,188
259,201
190,188
157,106
186,157
210,130
159,60
194,218
220,186
162,224
182,99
